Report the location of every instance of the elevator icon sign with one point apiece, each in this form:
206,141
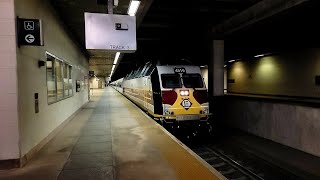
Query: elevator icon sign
29,32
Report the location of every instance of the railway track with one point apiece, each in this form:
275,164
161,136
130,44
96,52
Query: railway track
234,160
225,165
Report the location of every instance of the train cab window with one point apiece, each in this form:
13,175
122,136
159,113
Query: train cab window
171,81
192,80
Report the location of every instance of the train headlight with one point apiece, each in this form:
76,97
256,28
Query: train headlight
184,93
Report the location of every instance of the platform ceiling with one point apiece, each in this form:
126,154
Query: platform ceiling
172,30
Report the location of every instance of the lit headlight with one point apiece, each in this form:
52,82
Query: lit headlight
184,93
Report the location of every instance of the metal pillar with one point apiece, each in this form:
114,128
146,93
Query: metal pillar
110,6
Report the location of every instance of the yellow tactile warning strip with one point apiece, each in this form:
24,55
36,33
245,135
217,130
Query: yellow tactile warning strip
185,164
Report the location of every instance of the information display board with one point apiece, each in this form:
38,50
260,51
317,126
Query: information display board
110,32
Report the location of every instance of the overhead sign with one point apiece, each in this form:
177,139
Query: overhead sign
91,73
110,32
29,32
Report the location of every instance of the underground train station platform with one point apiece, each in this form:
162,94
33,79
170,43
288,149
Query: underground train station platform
111,138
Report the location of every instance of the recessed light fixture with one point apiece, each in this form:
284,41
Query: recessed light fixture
232,60
225,66
202,66
133,7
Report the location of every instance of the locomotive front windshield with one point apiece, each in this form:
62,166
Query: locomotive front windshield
171,81
192,81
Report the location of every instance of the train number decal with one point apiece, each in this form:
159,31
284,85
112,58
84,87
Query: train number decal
180,70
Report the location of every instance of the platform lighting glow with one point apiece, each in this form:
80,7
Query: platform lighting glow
260,55
232,60
133,7
116,58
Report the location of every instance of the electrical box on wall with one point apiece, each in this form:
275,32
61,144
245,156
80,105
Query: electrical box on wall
317,80
36,102
231,80
110,32
78,86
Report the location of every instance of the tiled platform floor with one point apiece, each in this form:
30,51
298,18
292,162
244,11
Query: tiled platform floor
110,138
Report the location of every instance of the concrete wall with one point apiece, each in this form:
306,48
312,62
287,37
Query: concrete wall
94,82
34,127
9,134
293,125
290,74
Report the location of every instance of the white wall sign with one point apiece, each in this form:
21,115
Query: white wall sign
110,32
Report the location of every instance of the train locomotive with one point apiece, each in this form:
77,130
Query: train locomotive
171,94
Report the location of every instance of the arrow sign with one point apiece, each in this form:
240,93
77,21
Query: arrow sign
29,38
29,32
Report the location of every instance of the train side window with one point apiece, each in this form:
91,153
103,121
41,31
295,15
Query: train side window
150,69
192,81
143,70
171,81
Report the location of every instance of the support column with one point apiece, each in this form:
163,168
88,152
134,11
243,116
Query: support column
110,6
9,128
216,79
217,67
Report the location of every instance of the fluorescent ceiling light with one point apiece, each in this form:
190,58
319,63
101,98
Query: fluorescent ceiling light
260,55
116,58
112,69
232,60
133,7
225,66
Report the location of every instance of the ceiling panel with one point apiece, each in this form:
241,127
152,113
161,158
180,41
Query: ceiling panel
174,31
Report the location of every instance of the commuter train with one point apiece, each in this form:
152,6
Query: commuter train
169,93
